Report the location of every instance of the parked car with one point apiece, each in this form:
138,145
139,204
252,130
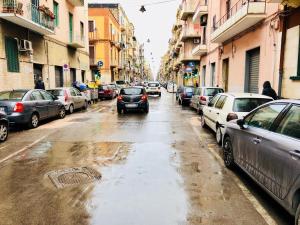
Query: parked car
4,126
171,87
266,145
153,88
121,83
71,98
202,96
225,107
185,95
133,98
115,88
106,92
30,106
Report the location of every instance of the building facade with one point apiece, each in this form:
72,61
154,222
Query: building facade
46,39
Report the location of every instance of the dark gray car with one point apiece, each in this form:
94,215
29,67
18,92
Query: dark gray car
30,106
266,145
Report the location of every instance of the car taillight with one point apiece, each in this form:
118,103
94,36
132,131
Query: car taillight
231,116
66,96
120,98
202,98
144,98
19,107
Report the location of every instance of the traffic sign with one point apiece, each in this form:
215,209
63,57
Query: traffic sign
100,63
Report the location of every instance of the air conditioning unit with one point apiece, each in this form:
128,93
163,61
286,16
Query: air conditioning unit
25,45
197,41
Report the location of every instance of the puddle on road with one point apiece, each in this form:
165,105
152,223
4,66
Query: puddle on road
145,190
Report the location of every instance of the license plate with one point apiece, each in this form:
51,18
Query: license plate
2,109
131,105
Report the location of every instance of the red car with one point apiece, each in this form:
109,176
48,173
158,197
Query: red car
106,92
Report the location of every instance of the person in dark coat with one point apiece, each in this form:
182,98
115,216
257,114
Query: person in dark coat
40,84
269,91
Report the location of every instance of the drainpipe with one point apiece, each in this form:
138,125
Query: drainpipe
282,49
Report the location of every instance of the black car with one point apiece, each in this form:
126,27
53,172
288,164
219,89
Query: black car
133,98
3,127
29,107
185,95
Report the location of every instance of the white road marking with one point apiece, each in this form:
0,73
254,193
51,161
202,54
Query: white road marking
257,206
22,149
100,110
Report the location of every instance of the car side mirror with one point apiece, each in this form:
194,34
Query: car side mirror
241,123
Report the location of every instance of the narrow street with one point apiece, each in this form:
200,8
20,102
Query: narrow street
159,168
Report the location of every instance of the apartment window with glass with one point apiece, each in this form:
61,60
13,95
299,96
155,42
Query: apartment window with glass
81,31
55,11
12,54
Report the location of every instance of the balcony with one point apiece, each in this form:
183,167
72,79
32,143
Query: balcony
76,2
188,56
187,9
94,36
189,33
199,50
243,15
29,16
77,41
201,9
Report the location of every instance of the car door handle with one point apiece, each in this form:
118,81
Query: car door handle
295,153
256,140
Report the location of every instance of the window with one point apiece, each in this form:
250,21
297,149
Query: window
72,91
36,96
297,76
55,11
264,117
81,31
71,27
12,54
290,125
91,26
77,92
214,100
12,95
221,102
46,96
132,91
248,104
212,91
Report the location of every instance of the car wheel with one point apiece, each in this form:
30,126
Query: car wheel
62,113
71,109
147,109
3,132
85,106
297,216
219,135
228,153
34,121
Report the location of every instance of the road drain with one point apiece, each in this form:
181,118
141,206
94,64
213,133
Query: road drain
73,176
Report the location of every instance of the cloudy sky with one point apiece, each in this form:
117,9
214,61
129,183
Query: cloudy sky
155,24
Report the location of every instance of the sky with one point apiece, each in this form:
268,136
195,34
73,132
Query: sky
154,24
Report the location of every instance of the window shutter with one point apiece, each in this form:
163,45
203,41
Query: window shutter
12,54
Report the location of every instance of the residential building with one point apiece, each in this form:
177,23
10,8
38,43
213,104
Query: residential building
43,38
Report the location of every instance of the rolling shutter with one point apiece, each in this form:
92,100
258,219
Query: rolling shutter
12,54
254,70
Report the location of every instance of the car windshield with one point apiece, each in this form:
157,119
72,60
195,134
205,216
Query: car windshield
12,95
57,92
120,82
212,91
103,87
248,104
189,90
132,91
153,84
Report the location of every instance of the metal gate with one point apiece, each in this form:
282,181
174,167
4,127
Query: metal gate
252,71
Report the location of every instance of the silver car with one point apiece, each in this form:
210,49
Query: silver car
266,145
71,98
202,96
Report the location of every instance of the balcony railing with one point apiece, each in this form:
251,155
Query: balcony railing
245,13
94,35
37,18
188,33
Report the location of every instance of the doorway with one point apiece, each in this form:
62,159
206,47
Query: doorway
59,79
225,73
83,76
72,75
37,72
252,70
212,74
203,75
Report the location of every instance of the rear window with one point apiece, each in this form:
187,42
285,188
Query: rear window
212,91
12,95
120,82
189,89
103,87
248,104
56,92
132,91
153,84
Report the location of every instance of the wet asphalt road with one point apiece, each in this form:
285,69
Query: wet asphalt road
156,169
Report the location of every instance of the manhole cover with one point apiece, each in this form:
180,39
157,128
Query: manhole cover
73,176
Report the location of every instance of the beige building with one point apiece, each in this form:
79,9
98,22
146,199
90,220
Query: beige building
45,39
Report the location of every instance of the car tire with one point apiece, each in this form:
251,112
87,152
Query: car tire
228,153
85,106
219,135
71,109
62,113
34,121
146,109
297,215
3,131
